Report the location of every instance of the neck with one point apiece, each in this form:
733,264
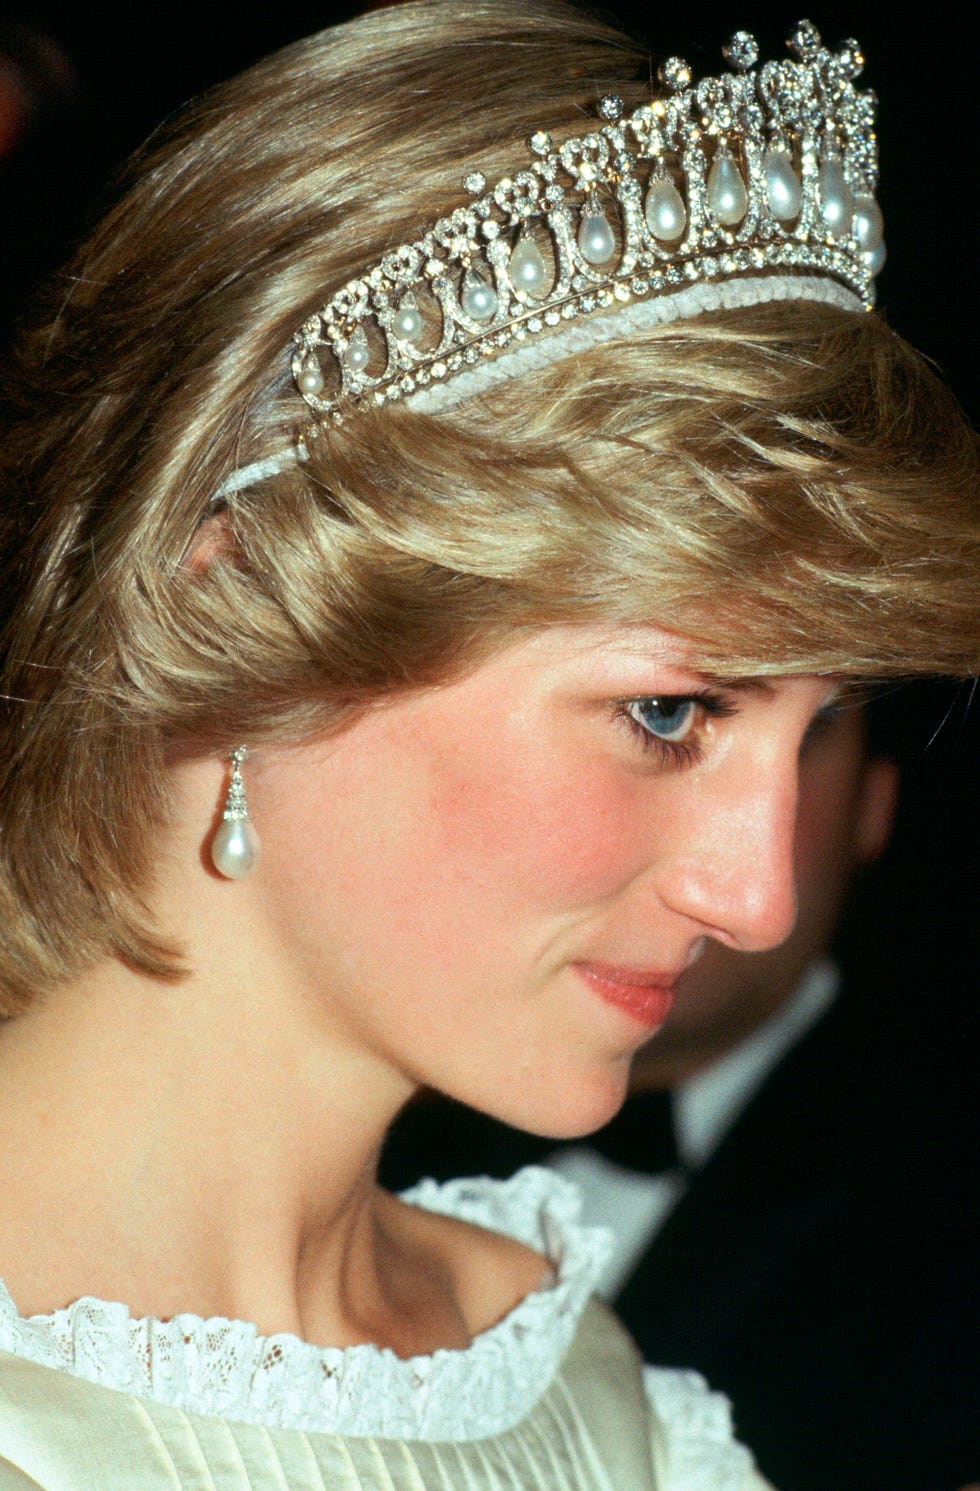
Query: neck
206,1146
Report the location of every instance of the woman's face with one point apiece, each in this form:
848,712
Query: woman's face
491,886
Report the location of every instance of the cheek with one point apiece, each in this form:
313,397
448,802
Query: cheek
547,832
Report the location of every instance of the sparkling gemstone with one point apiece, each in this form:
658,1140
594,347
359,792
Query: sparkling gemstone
805,40
475,182
742,51
527,268
596,241
675,73
358,353
478,298
784,193
540,142
727,198
611,107
665,211
868,225
851,55
836,197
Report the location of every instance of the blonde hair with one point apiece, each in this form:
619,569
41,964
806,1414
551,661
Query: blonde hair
790,486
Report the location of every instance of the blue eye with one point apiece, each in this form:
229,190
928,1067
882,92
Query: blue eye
668,718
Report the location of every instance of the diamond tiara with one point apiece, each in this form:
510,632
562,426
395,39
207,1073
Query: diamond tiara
753,186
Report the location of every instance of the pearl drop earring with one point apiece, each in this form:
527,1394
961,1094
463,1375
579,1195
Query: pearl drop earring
235,846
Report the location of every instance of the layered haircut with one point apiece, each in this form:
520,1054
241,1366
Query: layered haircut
789,486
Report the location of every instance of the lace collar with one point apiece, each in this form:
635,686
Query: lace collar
225,1368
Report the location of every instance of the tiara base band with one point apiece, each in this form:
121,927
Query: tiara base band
642,315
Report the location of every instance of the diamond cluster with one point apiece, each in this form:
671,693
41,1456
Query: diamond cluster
761,169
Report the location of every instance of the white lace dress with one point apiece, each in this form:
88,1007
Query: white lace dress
526,1405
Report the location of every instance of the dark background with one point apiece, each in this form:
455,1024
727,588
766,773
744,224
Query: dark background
101,84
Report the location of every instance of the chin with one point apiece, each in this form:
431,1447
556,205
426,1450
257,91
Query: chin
573,1110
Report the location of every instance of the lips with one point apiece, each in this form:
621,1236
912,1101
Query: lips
644,994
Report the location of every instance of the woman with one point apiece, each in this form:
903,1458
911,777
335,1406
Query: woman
411,707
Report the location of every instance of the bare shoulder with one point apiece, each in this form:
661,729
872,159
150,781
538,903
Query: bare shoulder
489,1274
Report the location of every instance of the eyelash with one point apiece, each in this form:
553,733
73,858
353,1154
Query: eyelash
675,753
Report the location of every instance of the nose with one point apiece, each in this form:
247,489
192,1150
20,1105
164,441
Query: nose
733,875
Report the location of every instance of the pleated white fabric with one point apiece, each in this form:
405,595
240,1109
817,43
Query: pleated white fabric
591,1431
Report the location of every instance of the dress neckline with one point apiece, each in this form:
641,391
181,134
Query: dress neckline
225,1368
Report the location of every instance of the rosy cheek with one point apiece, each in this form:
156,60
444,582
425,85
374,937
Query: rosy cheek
565,838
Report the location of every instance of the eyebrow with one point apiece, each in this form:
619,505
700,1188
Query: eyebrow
848,690
749,685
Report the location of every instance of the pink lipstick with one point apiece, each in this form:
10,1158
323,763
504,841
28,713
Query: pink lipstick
644,995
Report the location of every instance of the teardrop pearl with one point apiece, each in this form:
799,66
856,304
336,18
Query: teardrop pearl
596,240
784,193
875,260
310,381
358,352
836,197
235,848
407,321
479,298
728,200
868,226
665,211
527,268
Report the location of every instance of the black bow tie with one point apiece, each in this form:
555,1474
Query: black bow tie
641,1136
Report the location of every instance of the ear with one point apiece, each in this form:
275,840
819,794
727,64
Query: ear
874,816
214,538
